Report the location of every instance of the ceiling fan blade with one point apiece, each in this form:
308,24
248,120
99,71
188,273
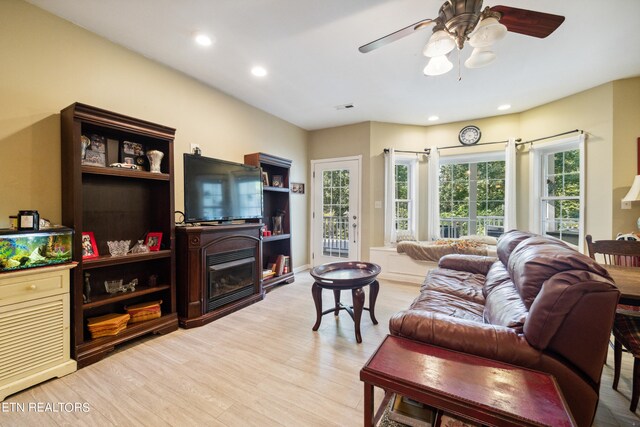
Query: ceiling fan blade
528,22
395,36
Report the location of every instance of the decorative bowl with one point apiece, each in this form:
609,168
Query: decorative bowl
118,247
113,286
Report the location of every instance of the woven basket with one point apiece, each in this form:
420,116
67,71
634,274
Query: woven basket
144,311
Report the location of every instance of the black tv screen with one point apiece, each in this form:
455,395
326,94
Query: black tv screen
217,190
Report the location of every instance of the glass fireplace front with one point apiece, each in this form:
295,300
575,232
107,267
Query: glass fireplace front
231,277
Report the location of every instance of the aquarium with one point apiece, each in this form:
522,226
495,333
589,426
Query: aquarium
28,249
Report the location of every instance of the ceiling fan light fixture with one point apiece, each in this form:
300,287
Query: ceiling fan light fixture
438,65
440,43
488,31
480,57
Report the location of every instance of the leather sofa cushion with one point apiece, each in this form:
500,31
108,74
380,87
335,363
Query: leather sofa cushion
538,259
452,293
503,305
462,284
508,242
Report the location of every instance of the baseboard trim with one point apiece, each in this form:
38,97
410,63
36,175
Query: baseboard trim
302,268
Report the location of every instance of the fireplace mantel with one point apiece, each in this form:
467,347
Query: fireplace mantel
194,245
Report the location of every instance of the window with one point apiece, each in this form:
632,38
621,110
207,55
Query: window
472,195
558,190
401,199
404,200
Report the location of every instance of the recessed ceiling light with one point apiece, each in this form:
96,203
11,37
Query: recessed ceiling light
504,107
259,71
202,39
433,118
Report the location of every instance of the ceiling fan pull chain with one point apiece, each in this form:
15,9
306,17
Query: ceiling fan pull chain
459,67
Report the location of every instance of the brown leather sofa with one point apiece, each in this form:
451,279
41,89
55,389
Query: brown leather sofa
541,305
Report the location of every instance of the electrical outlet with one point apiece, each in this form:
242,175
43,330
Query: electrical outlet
626,205
195,148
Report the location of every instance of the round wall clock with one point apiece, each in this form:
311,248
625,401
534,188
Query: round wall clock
469,135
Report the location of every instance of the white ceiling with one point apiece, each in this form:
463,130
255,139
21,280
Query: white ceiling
310,48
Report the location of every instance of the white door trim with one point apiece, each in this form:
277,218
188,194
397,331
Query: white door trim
357,158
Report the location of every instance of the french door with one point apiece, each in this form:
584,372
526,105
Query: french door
336,210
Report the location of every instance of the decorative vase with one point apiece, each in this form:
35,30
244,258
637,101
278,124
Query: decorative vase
155,158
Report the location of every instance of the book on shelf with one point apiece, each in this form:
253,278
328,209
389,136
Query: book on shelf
267,274
410,412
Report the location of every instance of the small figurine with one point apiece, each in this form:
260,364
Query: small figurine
153,280
131,286
86,296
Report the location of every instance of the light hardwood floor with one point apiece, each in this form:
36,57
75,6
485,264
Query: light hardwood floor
261,366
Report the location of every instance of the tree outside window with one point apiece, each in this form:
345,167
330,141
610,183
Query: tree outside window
472,198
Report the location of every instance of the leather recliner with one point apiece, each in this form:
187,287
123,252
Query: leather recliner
541,305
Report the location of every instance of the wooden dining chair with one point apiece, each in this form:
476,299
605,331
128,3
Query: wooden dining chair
626,326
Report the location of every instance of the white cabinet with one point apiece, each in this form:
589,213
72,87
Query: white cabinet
34,327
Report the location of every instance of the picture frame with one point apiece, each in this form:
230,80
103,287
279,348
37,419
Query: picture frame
94,158
98,143
89,246
132,153
265,179
153,241
297,187
277,181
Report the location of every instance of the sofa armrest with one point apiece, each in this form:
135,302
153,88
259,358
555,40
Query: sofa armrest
476,264
484,340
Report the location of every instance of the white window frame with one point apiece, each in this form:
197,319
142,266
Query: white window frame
490,156
390,220
537,155
412,181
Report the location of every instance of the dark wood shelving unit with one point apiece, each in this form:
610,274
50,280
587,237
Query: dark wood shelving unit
117,204
275,199
110,299
107,260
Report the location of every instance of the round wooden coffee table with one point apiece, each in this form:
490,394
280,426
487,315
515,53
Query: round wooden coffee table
353,276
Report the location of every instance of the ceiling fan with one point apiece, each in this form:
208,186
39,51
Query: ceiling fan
459,21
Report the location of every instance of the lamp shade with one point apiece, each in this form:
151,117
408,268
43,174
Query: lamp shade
438,65
480,57
488,31
634,193
440,43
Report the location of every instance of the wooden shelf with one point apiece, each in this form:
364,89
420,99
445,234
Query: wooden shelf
108,260
276,189
126,173
268,239
92,350
104,299
276,280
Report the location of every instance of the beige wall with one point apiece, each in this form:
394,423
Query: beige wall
607,113
626,131
48,63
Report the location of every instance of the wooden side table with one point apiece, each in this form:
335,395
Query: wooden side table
472,387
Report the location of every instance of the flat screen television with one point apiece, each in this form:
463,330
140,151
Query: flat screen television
217,190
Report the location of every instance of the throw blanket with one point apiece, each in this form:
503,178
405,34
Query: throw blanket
433,251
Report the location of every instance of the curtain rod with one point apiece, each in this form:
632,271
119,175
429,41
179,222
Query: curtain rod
426,151
474,145
549,137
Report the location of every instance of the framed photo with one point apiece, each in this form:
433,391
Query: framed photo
153,241
89,247
297,187
265,179
98,143
94,158
277,181
132,153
